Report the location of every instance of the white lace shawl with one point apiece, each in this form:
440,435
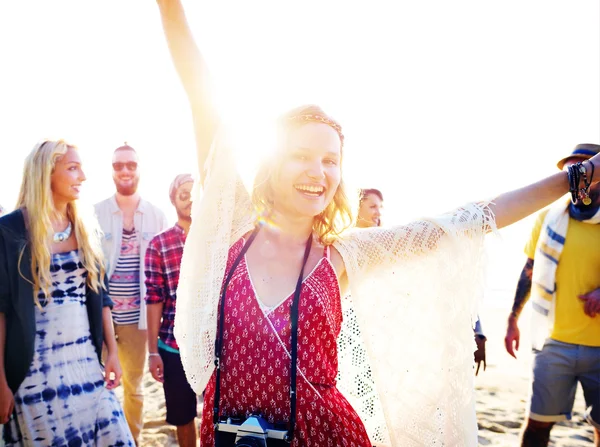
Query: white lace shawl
414,288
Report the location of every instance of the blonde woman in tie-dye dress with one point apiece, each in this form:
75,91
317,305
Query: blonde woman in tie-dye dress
55,315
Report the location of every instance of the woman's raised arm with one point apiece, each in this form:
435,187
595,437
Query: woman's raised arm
194,75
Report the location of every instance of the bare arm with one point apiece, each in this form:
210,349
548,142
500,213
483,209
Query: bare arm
513,335
109,331
523,289
513,206
155,296
193,72
112,367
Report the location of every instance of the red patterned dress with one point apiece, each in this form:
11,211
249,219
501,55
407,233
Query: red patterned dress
256,361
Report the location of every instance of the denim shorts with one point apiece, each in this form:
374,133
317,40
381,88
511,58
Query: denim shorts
180,399
557,369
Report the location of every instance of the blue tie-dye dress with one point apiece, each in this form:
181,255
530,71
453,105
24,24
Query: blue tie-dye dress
63,401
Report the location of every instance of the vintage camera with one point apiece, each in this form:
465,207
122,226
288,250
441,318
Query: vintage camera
251,432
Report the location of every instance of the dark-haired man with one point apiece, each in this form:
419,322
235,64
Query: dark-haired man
163,260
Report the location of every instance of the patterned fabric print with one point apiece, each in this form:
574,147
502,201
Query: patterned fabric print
163,258
256,362
124,283
63,401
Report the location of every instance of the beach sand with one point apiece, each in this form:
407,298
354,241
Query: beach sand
501,395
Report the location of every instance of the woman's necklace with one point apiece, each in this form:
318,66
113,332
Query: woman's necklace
62,236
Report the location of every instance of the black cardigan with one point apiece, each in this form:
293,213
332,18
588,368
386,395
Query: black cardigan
16,301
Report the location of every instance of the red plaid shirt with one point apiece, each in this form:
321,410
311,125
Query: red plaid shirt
163,259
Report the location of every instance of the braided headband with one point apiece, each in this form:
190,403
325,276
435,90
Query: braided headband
319,119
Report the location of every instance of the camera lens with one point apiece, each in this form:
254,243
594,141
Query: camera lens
250,441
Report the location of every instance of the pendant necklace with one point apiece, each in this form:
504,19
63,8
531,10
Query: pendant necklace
62,236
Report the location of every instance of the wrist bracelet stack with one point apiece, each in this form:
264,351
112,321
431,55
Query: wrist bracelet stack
576,173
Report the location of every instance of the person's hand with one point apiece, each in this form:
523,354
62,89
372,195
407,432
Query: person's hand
112,371
7,403
155,364
591,301
513,336
480,353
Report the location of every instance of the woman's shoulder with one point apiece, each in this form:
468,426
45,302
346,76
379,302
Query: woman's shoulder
237,246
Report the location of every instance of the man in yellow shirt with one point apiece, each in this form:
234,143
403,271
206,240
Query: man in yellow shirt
565,285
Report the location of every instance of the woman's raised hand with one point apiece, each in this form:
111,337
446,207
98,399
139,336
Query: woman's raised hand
193,73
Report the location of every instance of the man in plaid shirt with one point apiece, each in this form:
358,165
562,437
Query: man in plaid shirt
163,259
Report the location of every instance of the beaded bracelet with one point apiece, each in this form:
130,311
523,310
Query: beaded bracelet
584,193
588,183
573,175
583,170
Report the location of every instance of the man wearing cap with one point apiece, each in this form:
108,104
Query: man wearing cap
163,259
562,274
128,223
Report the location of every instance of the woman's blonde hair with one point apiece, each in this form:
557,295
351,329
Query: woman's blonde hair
35,198
337,216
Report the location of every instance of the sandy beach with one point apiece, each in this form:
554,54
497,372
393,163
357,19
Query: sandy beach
501,395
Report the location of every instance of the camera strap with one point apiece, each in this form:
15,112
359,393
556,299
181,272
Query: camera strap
294,343
219,339
294,336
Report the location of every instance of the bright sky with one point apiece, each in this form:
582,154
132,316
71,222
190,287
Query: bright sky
441,101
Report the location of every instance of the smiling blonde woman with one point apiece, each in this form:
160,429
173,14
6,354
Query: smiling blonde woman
55,313
261,283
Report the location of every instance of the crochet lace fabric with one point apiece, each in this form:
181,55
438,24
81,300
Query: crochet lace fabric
406,348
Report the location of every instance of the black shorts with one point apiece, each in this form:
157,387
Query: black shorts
179,397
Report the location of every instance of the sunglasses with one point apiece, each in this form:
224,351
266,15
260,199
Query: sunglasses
131,166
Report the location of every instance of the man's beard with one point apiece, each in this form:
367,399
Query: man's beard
127,190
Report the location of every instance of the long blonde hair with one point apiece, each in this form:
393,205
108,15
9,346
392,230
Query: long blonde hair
337,216
35,198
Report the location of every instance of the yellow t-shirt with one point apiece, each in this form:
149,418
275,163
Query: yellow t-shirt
578,272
